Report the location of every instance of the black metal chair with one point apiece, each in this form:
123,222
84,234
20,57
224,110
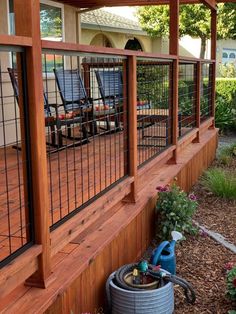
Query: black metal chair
53,121
111,89
74,98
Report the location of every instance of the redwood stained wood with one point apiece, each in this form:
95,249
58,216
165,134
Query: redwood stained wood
97,246
132,124
198,70
14,274
213,56
113,3
15,40
27,21
174,49
109,51
210,3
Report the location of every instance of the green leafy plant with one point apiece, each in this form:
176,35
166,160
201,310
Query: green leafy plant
175,209
227,154
224,115
231,284
226,88
220,183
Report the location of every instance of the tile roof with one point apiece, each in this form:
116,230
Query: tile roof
101,18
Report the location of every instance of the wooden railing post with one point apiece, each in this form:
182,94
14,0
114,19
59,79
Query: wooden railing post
174,50
27,22
132,124
213,58
198,99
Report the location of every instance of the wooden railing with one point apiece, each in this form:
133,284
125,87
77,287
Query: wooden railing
144,136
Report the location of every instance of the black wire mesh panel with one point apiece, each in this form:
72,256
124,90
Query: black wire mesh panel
206,91
187,98
15,192
88,98
154,107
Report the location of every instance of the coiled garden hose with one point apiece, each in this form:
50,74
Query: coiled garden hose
163,277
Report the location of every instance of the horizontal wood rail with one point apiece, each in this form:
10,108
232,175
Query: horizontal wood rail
71,47
7,40
77,224
184,58
19,270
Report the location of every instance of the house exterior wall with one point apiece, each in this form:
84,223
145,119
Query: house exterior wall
118,40
224,44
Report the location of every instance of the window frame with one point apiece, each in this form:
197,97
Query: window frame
47,2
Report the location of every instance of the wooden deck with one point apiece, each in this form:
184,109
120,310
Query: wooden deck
75,176
102,251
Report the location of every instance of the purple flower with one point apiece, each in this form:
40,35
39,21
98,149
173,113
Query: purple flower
163,188
192,197
203,233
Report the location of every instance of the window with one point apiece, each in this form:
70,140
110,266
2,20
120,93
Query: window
51,25
229,56
51,20
133,44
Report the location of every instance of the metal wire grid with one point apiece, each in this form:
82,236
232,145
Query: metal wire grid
93,154
15,192
206,91
154,107
187,97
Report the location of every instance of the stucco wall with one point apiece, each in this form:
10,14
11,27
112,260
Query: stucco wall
118,40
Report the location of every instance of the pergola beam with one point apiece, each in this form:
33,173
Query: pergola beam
115,3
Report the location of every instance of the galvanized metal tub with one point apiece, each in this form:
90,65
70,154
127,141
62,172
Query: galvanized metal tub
157,301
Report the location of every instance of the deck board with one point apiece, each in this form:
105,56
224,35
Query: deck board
75,175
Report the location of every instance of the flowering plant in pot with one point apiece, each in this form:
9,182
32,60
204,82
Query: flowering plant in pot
175,209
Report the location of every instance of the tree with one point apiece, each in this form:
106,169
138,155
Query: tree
194,21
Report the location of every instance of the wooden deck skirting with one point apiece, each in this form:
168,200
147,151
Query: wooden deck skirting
81,268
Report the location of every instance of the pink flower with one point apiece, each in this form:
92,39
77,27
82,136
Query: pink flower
234,282
228,266
192,197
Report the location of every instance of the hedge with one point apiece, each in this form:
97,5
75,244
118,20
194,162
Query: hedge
226,88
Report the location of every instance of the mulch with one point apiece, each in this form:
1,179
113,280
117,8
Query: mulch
215,213
201,260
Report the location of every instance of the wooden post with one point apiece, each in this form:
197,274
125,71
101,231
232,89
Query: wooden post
198,70
123,115
27,21
132,125
174,50
213,58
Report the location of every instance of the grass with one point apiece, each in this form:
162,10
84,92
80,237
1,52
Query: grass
220,182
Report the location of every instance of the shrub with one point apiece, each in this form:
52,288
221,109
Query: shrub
227,70
176,209
224,115
231,284
227,154
226,88
220,183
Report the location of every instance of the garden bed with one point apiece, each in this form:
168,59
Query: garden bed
216,214
201,260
